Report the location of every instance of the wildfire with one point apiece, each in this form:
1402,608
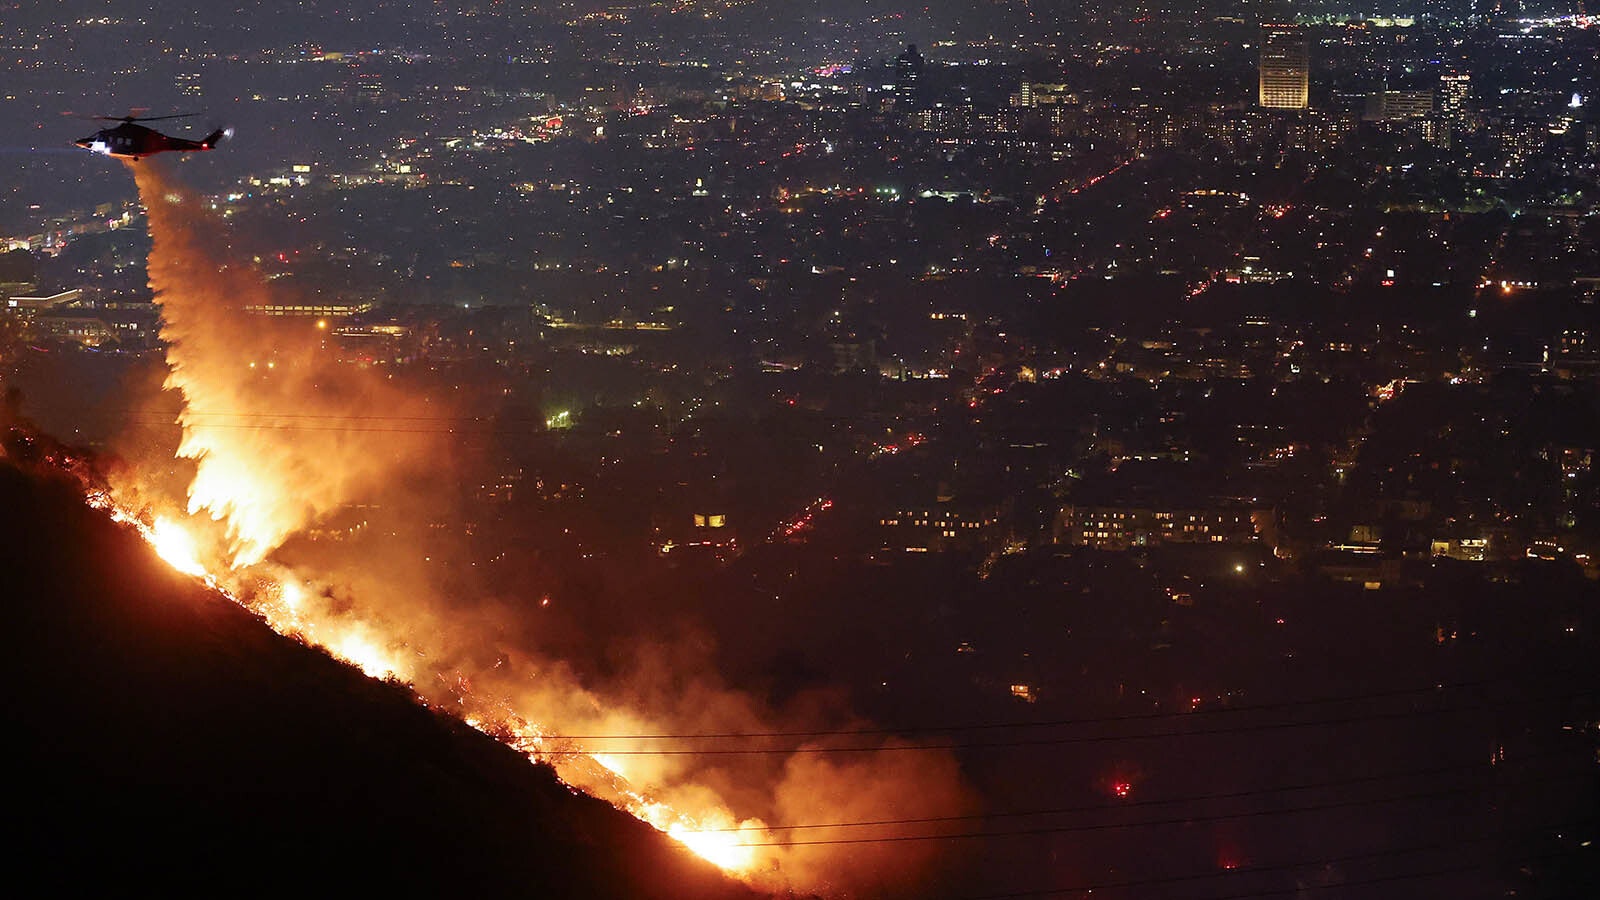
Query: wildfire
175,545
291,595
360,651
277,449
718,837
727,849
608,762
715,836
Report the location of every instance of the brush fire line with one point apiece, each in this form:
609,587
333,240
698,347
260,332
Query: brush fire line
253,489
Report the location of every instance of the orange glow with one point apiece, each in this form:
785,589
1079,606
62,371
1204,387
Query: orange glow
271,454
714,835
175,545
291,595
610,763
725,849
278,454
361,652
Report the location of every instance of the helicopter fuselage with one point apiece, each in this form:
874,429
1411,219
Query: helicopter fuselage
132,141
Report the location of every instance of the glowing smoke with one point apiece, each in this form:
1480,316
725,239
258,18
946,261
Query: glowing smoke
282,436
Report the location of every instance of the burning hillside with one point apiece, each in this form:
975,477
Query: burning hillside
281,434
167,739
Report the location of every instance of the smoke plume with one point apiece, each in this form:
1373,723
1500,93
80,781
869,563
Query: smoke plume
281,436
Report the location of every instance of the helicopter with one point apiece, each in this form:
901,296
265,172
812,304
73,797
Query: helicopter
131,140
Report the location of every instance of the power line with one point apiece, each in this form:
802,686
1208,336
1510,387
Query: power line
1284,867
1385,879
1111,826
519,425
1194,798
295,415
1051,723
1053,741
342,429
140,418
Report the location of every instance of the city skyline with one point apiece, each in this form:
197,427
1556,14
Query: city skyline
999,449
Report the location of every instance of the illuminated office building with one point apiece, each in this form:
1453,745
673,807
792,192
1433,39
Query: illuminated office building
1285,67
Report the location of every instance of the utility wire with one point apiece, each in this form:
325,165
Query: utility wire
345,429
1127,804
143,419
384,417
1054,741
1052,723
1174,820
1285,867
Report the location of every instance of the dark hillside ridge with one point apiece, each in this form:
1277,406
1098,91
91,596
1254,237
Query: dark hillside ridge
163,737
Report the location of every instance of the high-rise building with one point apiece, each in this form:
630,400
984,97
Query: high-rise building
908,79
1031,94
1394,106
1285,67
1454,89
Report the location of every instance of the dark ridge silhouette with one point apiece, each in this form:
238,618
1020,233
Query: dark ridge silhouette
162,737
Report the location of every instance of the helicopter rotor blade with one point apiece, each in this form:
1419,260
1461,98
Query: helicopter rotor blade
69,114
128,118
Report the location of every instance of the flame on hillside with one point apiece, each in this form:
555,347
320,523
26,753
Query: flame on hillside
176,546
281,436
249,381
